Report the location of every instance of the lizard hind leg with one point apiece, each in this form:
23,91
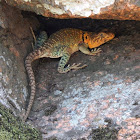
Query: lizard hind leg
41,39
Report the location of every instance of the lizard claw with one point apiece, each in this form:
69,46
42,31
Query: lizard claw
95,51
77,66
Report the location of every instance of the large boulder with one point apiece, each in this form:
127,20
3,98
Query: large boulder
15,37
97,9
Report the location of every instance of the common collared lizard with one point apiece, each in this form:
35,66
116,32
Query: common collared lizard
63,44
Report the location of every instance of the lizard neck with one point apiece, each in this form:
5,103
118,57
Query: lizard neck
83,40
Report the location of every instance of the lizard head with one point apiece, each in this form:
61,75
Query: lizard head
95,40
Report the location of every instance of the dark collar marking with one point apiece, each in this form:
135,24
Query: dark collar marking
83,36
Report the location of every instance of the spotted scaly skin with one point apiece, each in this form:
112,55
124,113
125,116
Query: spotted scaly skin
40,39
63,44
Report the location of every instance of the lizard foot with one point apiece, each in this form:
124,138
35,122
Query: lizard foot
77,66
95,51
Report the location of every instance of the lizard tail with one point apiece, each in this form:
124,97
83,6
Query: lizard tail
29,59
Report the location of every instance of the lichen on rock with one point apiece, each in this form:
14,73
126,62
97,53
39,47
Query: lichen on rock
12,127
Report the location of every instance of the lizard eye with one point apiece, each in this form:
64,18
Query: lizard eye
86,37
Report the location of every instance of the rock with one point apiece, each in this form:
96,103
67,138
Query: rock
96,9
15,37
103,98
98,101
12,128
13,91
12,19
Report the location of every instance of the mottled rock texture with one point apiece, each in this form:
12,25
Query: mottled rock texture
104,94
97,9
100,101
15,37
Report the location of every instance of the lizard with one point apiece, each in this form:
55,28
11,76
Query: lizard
63,44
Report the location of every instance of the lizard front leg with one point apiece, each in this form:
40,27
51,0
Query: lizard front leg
83,48
63,61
